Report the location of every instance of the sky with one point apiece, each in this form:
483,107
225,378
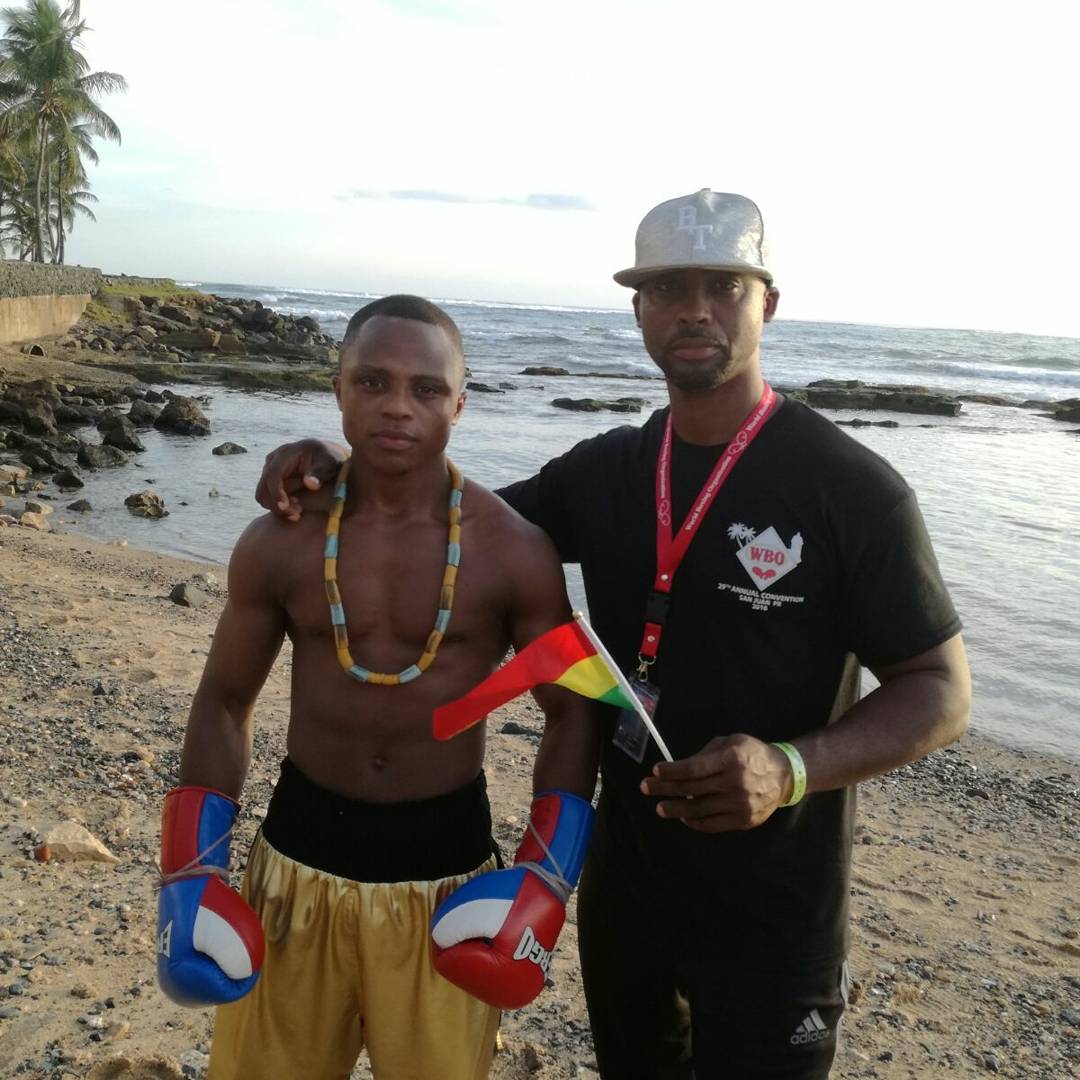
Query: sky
914,162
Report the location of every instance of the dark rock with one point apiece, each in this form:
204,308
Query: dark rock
81,506
512,727
161,325
228,448
38,417
38,388
178,314
146,504
258,318
143,414
837,384
186,595
183,417
914,399
74,415
101,457
507,386
483,388
11,412
43,458
1068,410
119,431
68,478
620,405
153,397
542,370
858,422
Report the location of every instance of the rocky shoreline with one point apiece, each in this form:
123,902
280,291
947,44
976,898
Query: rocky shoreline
966,933
79,402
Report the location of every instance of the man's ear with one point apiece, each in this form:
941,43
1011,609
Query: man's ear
772,299
460,405
637,308
336,383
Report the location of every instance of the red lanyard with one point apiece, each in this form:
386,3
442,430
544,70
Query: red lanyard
669,550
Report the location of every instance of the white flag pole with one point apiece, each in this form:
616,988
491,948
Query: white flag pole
624,685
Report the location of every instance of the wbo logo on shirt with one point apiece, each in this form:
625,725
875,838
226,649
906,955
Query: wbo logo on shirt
764,556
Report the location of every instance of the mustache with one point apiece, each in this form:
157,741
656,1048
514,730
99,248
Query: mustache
696,335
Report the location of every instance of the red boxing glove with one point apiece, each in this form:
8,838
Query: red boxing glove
494,936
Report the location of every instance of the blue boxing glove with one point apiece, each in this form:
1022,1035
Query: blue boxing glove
494,936
210,943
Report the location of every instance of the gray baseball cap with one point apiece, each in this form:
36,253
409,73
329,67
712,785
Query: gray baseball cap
709,230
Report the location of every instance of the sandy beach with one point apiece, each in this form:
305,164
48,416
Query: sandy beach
966,953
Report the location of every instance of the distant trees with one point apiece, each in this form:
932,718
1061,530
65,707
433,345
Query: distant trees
49,119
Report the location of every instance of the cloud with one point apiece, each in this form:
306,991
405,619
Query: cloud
464,14
557,201
536,201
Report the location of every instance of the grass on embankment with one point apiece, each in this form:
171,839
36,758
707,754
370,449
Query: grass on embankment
108,305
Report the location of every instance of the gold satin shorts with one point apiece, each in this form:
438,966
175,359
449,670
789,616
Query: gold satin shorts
348,967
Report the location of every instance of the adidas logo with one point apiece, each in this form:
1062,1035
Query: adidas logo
811,1030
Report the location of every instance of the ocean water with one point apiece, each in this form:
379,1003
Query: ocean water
1000,486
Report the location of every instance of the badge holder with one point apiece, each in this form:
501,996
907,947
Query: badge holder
631,734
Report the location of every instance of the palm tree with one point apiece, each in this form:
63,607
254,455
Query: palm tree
67,182
743,533
47,89
12,181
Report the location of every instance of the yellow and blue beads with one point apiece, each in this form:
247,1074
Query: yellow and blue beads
446,592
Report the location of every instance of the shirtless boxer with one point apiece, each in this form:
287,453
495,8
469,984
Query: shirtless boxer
393,608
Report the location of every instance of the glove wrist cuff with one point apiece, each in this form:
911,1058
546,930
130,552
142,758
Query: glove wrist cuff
196,827
557,839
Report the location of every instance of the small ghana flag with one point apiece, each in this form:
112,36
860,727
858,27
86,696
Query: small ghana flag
564,656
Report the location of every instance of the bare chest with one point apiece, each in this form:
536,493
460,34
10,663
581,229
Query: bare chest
390,579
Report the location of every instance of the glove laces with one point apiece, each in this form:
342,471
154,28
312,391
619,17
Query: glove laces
196,868
555,879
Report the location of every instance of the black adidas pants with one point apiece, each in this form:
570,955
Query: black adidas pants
665,1008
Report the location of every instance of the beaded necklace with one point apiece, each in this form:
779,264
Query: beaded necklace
446,593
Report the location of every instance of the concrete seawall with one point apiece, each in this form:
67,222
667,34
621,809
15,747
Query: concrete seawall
39,300
23,318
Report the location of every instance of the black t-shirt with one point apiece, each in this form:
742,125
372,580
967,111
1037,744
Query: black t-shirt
814,551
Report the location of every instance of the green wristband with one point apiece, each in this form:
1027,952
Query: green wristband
798,772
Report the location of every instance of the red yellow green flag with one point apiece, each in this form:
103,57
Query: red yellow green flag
564,656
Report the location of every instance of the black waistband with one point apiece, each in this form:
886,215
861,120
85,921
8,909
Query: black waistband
404,841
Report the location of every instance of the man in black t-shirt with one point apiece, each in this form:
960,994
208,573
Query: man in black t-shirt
744,557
